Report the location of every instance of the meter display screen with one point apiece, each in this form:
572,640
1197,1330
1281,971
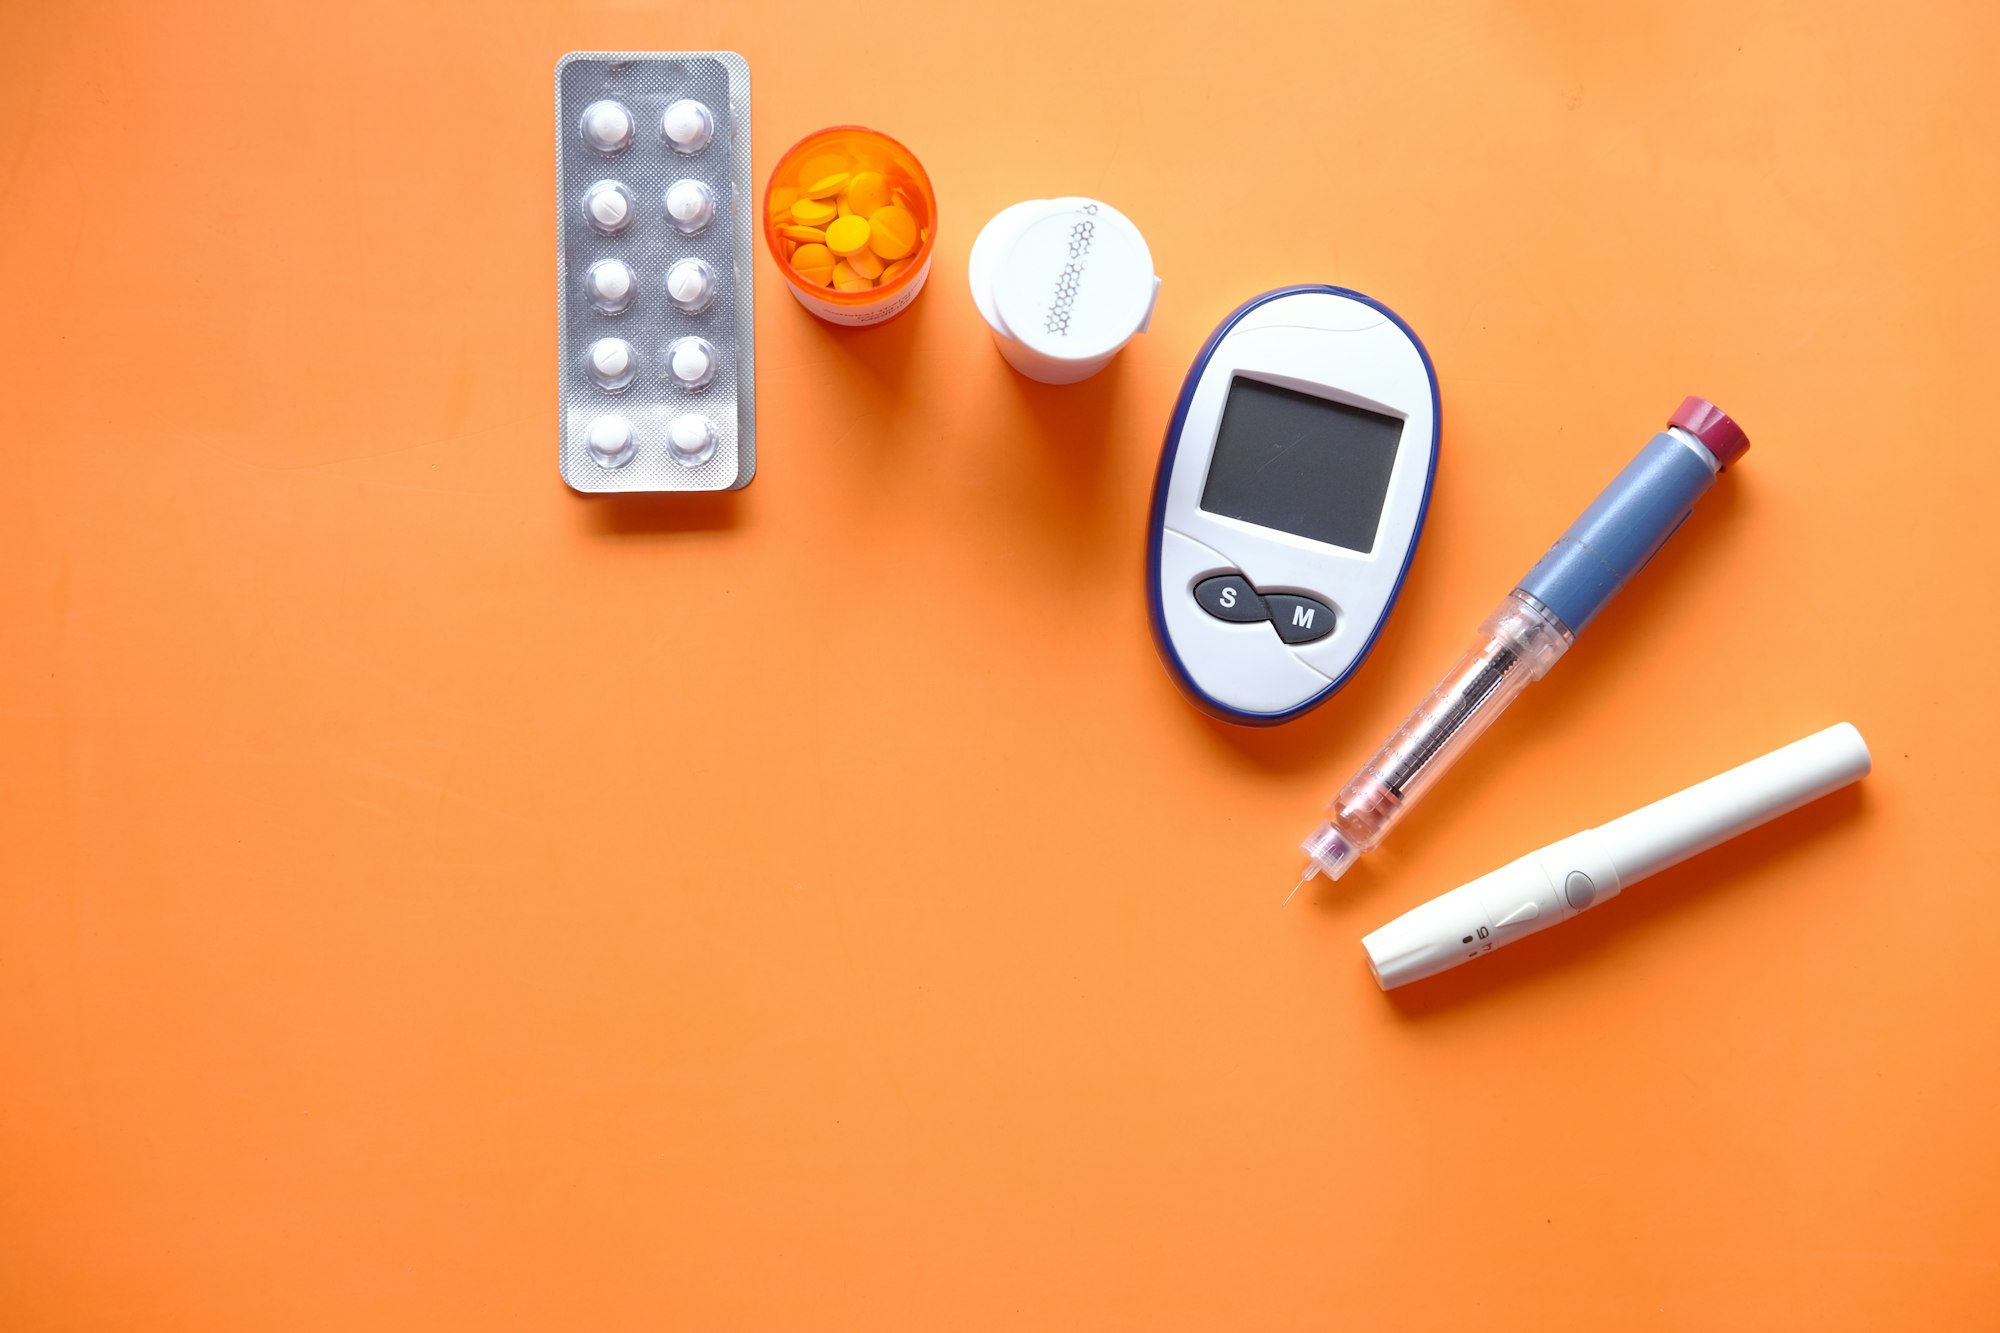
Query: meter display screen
1304,465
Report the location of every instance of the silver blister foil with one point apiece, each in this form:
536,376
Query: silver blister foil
649,397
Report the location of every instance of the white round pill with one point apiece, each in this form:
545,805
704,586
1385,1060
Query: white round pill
611,280
690,204
607,125
610,439
691,282
692,437
687,126
611,356
608,207
610,361
692,360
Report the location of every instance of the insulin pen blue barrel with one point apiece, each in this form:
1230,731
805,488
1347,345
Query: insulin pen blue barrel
1635,514
1531,628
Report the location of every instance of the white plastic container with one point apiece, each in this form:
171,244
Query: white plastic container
1064,284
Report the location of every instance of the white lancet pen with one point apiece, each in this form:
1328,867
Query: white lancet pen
1547,887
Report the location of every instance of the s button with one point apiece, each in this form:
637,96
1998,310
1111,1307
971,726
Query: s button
1230,597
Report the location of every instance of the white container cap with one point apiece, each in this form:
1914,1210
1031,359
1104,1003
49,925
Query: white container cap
1063,284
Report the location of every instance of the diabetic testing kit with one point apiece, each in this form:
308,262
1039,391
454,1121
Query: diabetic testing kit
1290,493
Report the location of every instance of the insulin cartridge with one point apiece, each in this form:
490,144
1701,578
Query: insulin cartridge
1532,627
1548,887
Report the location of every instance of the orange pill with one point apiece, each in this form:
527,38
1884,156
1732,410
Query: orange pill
893,271
846,279
801,233
845,209
814,263
830,185
846,235
812,212
865,262
892,232
821,165
867,191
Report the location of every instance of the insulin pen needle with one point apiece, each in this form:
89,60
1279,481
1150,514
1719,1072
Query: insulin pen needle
1310,871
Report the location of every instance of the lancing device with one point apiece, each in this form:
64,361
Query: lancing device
1536,623
1564,878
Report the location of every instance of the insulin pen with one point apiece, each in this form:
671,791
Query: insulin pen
1552,885
1532,627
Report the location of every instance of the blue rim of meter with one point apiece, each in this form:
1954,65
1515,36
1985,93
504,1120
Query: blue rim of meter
1199,697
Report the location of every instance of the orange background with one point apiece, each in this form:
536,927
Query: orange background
434,901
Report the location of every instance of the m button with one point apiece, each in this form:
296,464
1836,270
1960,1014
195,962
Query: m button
1299,619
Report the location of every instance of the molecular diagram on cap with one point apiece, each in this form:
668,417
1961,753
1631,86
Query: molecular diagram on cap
1071,276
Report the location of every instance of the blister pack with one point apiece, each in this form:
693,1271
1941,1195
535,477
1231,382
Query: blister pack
654,312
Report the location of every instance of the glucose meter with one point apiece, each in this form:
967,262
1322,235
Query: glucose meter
1290,494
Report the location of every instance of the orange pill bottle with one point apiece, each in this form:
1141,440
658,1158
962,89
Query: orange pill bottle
842,171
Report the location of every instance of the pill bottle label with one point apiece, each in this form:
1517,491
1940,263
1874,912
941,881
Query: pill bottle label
857,315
